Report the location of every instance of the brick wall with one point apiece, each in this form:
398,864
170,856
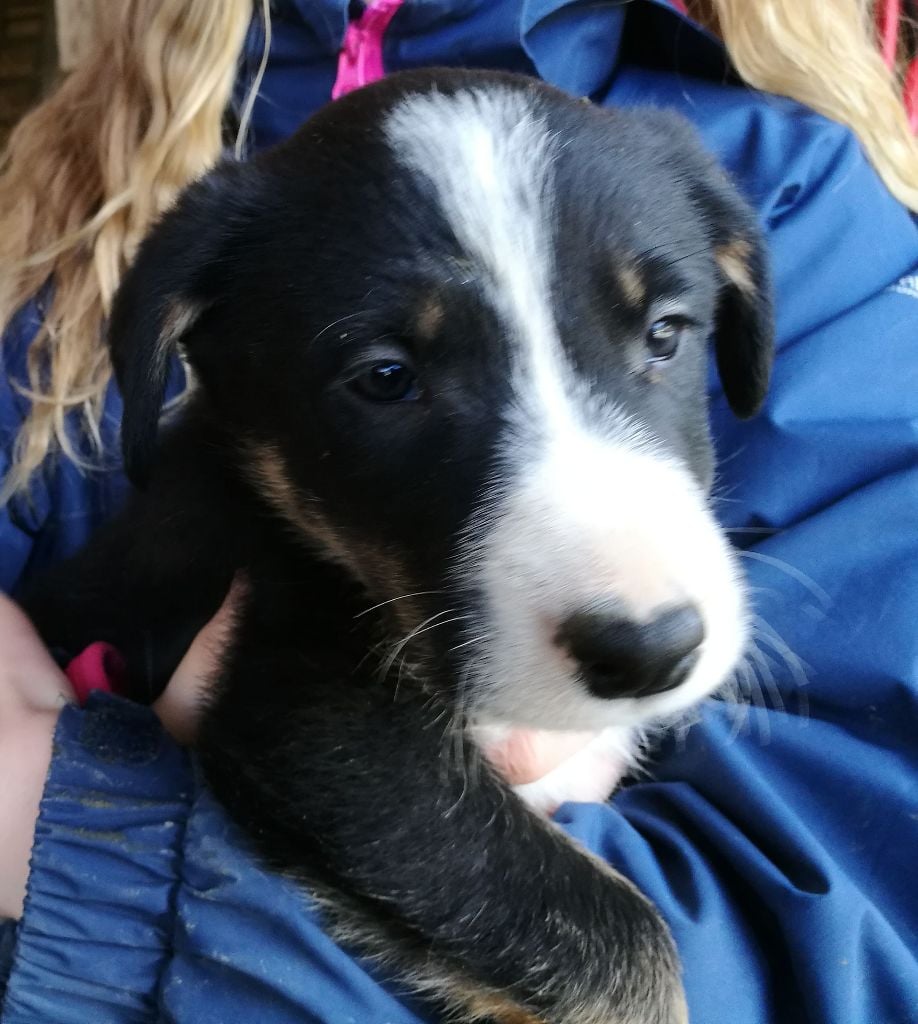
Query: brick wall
27,58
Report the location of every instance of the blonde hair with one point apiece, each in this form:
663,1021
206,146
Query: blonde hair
824,54
84,176
88,171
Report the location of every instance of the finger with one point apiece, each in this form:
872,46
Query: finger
180,706
525,755
25,755
32,692
29,677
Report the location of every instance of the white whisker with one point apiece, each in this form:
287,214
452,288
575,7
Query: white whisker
425,627
757,698
767,677
740,713
335,323
769,636
795,574
474,640
392,600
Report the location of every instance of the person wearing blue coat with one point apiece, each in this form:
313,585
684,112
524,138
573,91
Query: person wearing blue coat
778,835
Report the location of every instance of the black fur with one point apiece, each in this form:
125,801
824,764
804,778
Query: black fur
279,280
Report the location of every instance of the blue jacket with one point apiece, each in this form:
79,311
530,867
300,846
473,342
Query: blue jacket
780,837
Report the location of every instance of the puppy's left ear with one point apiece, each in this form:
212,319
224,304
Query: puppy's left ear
744,338
162,299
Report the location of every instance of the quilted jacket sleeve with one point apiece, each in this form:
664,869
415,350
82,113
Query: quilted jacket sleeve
145,904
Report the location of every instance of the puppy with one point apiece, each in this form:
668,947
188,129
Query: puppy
448,352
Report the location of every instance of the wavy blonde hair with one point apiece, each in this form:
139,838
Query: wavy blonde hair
88,171
824,54
84,176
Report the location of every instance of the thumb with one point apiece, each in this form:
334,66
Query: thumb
31,679
182,702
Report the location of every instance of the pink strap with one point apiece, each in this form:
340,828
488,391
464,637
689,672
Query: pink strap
99,667
360,61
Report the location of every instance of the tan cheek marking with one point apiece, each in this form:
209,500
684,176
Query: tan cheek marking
379,572
632,284
733,259
264,466
499,1010
388,578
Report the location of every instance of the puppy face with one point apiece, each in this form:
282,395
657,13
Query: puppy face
458,328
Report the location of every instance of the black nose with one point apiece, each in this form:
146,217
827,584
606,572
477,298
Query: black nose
622,658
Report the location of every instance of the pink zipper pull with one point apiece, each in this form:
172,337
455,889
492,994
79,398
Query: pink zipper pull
361,59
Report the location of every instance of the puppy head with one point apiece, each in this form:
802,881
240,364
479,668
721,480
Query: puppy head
457,328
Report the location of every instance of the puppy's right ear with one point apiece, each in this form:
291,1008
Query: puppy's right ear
171,283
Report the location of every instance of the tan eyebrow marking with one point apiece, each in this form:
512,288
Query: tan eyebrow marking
430,318
633,286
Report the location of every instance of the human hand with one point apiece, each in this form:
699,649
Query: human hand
180,705
548,768
523,756
33,690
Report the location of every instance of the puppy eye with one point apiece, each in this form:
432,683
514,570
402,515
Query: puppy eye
663,338
387,381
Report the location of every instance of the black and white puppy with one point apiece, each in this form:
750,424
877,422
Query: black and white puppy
448,346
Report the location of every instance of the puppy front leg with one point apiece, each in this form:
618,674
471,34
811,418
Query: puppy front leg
421,855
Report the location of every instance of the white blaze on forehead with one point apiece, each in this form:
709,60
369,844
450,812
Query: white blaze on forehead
488,157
